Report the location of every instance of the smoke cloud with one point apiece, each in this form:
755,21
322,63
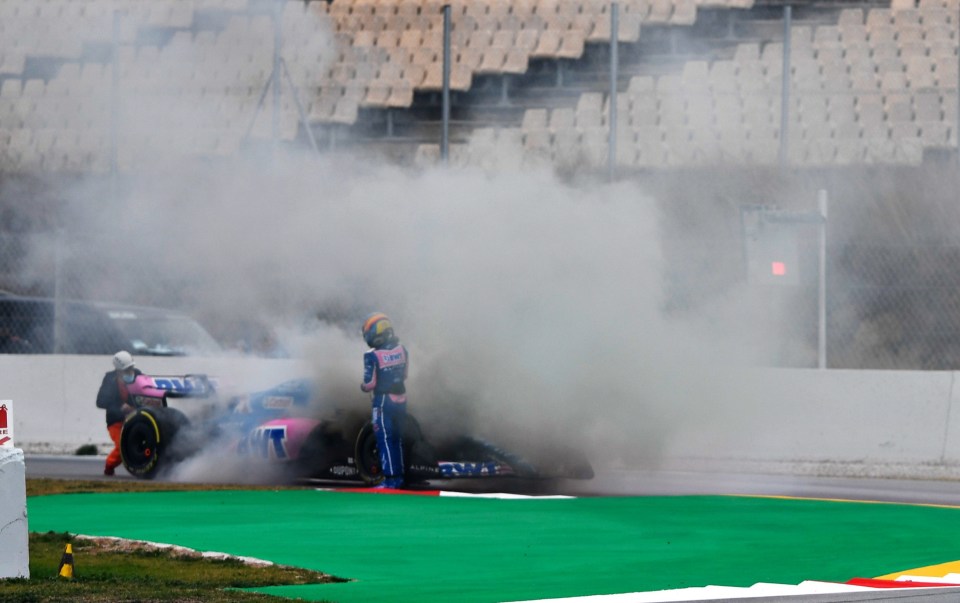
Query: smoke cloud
533,307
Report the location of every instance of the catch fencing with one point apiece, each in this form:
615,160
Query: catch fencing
63,292
888,305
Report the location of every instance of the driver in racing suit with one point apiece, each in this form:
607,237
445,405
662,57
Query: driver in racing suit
384,370
114,398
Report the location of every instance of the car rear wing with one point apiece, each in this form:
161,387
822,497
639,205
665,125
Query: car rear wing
185,386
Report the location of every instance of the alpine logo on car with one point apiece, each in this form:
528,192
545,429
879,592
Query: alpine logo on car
468,469
174,384
428,470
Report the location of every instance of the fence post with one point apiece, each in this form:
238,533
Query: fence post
822,289
58,301
115,98
785,89
445,137
612,102
276,75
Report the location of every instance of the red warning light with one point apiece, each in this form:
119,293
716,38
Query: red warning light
778,269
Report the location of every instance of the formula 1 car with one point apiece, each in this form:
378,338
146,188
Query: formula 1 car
274,426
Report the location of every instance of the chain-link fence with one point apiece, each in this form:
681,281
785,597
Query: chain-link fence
892,280
47,306
68,292
892,287
887,306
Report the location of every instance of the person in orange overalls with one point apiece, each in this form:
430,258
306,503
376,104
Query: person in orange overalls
114,398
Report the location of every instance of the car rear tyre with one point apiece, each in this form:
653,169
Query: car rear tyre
367,456
146,435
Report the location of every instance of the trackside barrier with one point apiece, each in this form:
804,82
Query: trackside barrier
882,423
870,423
14,553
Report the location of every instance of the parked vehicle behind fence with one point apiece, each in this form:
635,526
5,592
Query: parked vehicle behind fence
28,325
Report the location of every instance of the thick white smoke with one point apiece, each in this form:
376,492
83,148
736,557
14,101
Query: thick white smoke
531,307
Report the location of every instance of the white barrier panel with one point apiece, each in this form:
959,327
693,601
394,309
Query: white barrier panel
820,416
951,427
14,553
827,422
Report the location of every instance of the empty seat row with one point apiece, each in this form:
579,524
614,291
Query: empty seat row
686,148
681,151
843,115
340,54
846,107
517,32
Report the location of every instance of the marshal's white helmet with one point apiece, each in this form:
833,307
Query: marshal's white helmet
122,360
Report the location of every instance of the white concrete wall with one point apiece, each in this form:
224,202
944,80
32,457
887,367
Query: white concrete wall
829,422
829,415
826,422
55,396
14,553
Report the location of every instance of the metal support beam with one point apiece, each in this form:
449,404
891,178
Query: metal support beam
445,138
614,70
300,111
785,89
822,289
277,82
115,97
58,293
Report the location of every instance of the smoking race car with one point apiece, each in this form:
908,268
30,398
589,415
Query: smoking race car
275,426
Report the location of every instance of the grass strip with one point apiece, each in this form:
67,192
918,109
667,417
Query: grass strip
110,570
48,486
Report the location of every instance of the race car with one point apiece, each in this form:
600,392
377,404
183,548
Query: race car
286,426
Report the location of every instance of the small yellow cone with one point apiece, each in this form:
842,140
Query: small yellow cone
66,563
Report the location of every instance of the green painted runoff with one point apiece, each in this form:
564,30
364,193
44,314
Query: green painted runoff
419,548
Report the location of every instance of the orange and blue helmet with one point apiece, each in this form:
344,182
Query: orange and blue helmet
377,330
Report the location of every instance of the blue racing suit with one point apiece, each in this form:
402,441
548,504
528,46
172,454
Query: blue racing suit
384,370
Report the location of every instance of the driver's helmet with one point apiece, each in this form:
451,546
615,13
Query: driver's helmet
377,330
122,360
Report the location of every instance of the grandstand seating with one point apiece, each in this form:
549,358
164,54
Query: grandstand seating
344,55
878,85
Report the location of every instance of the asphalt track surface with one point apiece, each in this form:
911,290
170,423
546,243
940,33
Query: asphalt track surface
628,483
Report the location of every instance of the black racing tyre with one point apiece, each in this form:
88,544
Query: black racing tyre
146,434
367,457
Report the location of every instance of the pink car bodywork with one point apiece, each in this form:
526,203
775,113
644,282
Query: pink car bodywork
144,392
278,440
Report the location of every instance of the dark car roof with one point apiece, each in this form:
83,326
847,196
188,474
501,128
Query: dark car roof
144,311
